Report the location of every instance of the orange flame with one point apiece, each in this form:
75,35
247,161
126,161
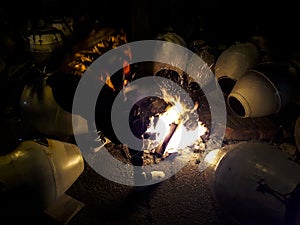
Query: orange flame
183,136
108,81
125,83
126,66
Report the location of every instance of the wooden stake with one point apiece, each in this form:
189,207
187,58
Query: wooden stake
160,150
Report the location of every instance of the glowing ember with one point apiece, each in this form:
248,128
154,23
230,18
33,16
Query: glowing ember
160,126
93,46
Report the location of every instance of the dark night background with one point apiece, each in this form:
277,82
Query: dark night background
228,20
185,199
215,21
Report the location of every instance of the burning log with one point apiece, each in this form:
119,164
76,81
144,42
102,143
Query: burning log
160,150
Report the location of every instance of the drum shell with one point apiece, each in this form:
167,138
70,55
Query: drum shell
39,171
44,43
40,109
262,91
237,178
233,62
177,59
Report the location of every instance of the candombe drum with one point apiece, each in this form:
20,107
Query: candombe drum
64,25
257,183
45,42
297,133
41,111
178,58
262,91
208,55
38,171
233,62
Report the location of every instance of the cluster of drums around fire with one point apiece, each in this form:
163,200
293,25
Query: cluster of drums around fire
255,182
